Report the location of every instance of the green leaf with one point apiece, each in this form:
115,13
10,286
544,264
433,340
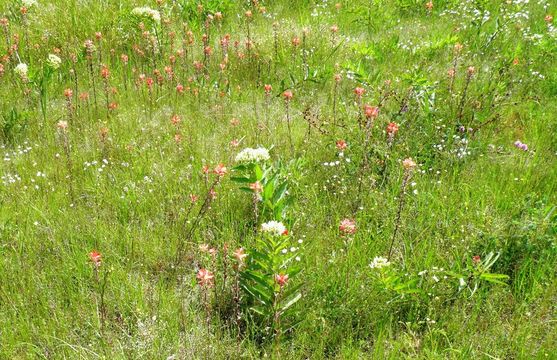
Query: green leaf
291,302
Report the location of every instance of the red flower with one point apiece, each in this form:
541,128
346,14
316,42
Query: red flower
281,279
95,257
105,73
287,95
359,91
476,259
392,129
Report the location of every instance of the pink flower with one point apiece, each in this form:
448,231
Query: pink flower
281,279
371,111
220,170
179,88
408,164
175,119
240,254
341,145
256,187
287,95
476,259
205,277
347,227
68,93
359,91
268,89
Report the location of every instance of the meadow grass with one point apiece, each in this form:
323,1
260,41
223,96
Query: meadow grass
107,153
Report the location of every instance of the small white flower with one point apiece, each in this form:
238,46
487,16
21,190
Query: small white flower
21,69
146,11
379,262
29,3
250,155
273,228
54,61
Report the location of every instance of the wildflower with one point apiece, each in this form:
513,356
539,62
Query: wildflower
194,198
256,187
359,91
68,93
220,170
347,227
250,155
240,254
451,73
147,12
392,129
268,89
548,18
334,29
518,144
54,61
337,78
248,14
274,228
62,125
179,88
124,58
95,258
175,120
371,111
408,164
341,145
29,3
287,95
471,70
295,41
476,259
105,73
205,277
21,69
379,262
429,5
281,279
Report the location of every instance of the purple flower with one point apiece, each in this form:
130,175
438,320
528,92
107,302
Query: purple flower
518,144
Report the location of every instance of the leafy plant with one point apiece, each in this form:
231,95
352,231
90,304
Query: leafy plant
266,280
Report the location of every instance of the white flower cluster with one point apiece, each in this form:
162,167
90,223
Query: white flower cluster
250,155
21,70
29,3
379,262
54,61
273,228
147,12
